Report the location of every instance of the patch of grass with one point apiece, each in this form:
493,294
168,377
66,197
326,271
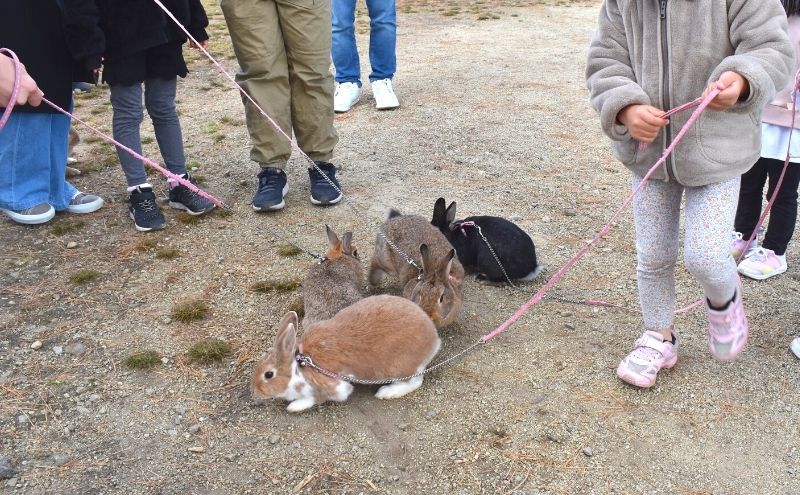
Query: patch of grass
209,351
56,383
218,138
91,139
187,219
225,213
287,250
167,254
190,310
298,307
84,276
97,110
199,179
280,286
194,164
147,139
212,128
145,245
143,360
63,228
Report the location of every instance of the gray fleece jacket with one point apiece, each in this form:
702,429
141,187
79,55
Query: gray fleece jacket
666,52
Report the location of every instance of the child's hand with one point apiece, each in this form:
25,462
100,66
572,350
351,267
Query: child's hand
642,121
734,88
203,44
29,92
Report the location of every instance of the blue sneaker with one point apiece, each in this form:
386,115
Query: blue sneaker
144,210
272,187
183,198
322,192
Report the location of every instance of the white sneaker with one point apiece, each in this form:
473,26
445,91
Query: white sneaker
762,264
385,99
795,347
345,97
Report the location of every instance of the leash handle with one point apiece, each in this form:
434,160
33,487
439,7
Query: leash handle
15,90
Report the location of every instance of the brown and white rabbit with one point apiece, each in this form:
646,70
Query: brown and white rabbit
438,288
334,283
377,338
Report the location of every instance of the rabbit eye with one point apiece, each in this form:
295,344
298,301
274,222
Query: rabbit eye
441,299
268,375
355,253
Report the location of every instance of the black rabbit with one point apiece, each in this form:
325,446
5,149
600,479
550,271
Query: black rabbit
512,245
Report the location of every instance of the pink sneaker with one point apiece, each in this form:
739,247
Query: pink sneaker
738,244
650,354
762,264
727,329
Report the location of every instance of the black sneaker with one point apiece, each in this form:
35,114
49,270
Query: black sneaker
272,187
183,198
144,211
322,192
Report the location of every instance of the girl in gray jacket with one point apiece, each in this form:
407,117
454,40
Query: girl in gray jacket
647,56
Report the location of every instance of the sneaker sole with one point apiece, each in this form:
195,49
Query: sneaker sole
181,206
630,378
761,276
87,208
325,203
732,356
145,229
395,107
278,206
30,219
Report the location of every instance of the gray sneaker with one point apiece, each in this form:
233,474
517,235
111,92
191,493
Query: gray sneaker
84,203
31,216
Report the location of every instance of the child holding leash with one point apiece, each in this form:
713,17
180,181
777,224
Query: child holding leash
647,57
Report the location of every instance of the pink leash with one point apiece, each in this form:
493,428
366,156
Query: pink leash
15,90
603,231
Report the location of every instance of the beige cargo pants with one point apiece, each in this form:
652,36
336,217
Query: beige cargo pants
284,53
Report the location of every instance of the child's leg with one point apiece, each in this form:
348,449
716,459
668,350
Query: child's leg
750,194
783,216
128,115
656,212
24,162
709,218
159,98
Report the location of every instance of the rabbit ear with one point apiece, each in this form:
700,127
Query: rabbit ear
427,262
332,237
443,269
451,213
394,213
438,213
347,243
286,338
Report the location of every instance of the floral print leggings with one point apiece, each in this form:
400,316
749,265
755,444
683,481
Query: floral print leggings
709,214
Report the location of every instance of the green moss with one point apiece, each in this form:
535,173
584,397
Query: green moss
281,286
209,351
143,360
146,245
191,310
287,250
188,219
225,213
167,253
66,227
84,276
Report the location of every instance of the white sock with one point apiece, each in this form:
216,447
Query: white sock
146,184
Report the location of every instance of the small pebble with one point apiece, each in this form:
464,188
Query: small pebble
72,245
273,439
570,212
194,429
431,414
36,345
197,450
587,451
165,360
58,350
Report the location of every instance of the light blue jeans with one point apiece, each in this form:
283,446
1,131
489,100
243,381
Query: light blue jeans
33,161
382,40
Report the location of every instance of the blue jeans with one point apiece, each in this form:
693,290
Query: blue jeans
382,40
33,161
159,99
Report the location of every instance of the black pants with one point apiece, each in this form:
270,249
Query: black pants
783,215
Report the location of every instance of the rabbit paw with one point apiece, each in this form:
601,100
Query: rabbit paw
399,389
300,404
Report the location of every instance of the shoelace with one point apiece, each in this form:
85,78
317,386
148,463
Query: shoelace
147,205
760,254
265,182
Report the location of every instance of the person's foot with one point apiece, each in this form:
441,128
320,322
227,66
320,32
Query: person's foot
81,87
738,244
31,216
650,355
84,203
323,192
762,264
727,328
385,99
272,187
144,210
795,346
345,96
183,198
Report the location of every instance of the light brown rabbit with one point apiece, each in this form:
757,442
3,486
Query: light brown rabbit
335,283
377,338
438,288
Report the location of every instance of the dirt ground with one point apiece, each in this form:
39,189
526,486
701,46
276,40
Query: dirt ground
494,115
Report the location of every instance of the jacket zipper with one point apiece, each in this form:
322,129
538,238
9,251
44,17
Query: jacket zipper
666,104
